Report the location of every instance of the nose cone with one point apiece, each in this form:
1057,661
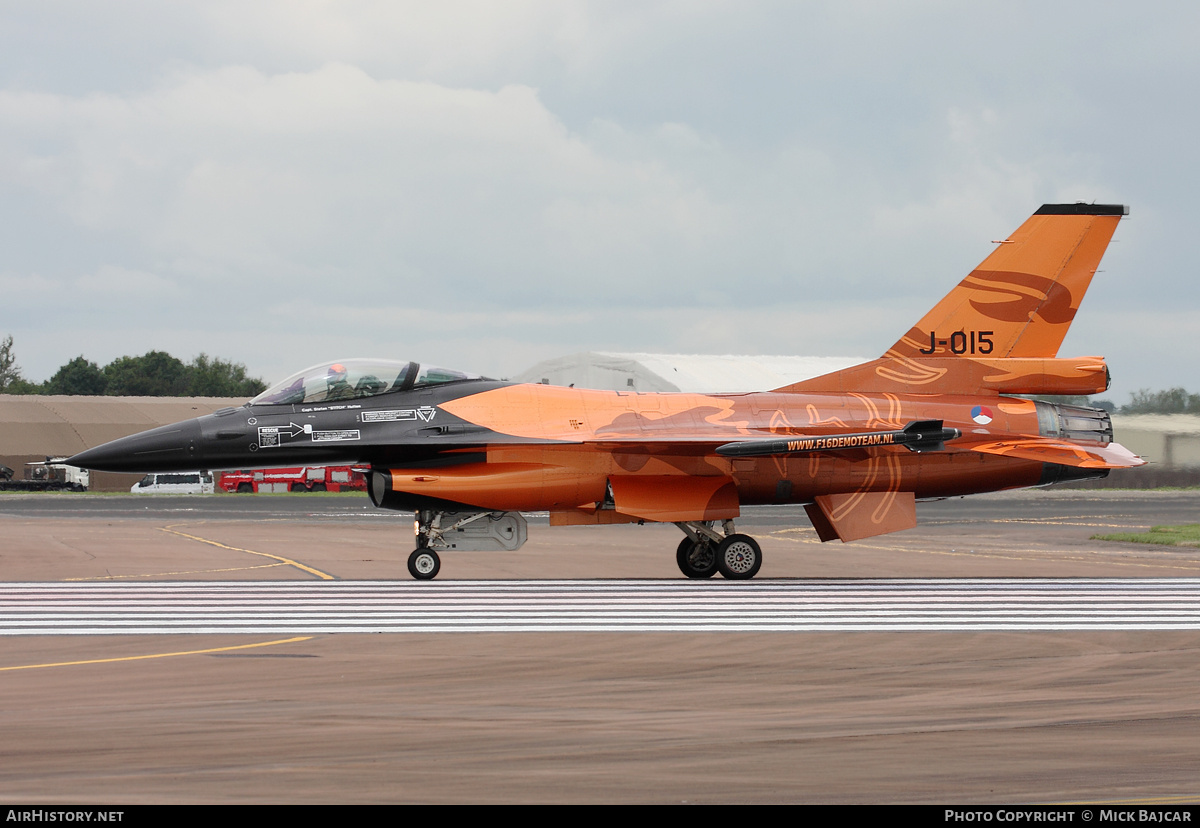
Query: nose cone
169,448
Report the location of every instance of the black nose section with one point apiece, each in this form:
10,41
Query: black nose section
169,448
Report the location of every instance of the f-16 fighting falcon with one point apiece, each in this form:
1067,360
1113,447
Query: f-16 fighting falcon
934,417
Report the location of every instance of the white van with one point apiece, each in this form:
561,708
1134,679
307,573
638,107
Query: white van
175,483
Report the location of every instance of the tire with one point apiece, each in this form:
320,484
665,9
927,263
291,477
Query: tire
695,563
298,487
245,488
318,487
739,557
424,564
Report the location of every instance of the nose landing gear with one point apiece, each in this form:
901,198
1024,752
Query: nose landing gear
439,531
423,564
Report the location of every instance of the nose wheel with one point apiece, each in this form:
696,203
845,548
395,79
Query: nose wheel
423,564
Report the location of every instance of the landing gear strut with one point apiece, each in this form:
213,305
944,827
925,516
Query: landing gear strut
424,563
705,551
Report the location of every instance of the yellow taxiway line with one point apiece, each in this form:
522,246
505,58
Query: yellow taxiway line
159,655
322,575
174,574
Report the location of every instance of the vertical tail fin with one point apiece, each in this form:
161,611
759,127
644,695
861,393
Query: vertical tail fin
999,329
1021,300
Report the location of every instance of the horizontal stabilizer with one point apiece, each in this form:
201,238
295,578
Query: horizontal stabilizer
918,436
1063,452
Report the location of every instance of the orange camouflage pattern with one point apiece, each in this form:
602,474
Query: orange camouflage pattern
607,457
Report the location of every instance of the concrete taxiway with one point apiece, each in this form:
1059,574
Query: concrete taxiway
569,716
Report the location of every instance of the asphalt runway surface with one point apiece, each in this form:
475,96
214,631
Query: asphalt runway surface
277,715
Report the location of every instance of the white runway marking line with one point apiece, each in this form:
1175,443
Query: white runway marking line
599,606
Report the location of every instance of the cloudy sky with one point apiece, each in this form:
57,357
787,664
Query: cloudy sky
485,184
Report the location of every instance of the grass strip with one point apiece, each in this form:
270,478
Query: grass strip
1187,534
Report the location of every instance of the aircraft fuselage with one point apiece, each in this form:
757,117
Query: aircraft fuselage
511,447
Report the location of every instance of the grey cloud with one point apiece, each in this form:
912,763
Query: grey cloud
660,174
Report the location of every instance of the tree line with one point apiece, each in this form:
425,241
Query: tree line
1171,401
153,374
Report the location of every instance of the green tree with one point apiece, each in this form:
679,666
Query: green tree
77,377
154,374
211,377
10,372
24,386
1171,401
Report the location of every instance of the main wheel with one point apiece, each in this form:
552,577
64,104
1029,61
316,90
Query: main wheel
738,557
696,560
424,564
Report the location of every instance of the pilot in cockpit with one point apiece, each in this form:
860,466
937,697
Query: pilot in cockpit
335,381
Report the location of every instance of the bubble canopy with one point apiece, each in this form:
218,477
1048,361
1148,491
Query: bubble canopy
353,379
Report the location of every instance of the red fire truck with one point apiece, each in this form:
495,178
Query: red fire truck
302,479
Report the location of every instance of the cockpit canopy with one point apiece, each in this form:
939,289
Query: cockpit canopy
353,379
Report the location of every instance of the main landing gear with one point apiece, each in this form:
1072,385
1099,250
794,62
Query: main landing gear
705,551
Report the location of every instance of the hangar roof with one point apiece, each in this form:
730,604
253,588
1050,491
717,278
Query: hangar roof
696,373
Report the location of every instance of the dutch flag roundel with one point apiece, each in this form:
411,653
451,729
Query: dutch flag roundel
981,414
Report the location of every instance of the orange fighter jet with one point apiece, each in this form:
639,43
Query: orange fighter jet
931,418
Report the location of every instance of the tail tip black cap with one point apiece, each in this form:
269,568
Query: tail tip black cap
1081,209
